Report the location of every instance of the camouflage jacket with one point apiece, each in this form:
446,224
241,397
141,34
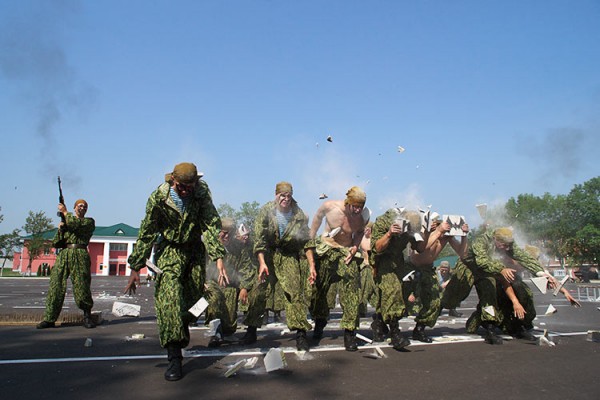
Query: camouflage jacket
196,229
241,264
266,231
481,257
77,231
393,255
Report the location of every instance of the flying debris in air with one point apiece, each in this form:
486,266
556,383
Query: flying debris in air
400,149
329,139
323,196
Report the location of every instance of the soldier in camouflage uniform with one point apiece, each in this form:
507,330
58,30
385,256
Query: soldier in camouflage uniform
275,299
73,260
182,213
244,290
281,235
492,259
444,277
388,242
429,287
339,259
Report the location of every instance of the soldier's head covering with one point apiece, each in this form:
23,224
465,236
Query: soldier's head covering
532,250
504,235
355,196
80,201
185,173
284,187
227,224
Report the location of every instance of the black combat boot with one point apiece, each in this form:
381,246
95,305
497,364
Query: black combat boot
88,322
378,327
419,334
249,337
320,324
453,313
525,335
350,340
45,324
174,370
301,341
217,339
490,334
399,342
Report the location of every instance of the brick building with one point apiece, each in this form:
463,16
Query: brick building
109,248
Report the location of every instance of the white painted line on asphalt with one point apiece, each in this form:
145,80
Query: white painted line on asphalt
218,353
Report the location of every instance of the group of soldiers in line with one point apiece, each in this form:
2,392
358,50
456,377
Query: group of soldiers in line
364,261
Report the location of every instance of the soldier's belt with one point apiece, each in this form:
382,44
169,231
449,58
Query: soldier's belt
76,246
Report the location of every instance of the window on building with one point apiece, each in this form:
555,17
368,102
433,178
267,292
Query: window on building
118,247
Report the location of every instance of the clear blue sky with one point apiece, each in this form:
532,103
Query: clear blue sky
489,99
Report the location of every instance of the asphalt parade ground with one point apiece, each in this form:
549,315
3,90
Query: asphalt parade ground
113,361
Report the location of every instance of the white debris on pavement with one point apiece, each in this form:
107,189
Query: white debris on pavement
125,309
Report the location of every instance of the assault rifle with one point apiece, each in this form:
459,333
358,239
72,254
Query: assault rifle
61,200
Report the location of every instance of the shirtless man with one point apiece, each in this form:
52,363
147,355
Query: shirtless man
429,287
338,258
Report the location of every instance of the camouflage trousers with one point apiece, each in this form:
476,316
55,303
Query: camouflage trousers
274,297
292,273
332,269
389,292
178,288
368,293
74,263
458,288
488,291
222,305
511,324
429,296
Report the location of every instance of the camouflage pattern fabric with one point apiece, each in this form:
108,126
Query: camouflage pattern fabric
429,296
458,288
367,289
283,258
74,263
219,306
390,267
181,255
242,270
275,299
485,266
332,269
511,324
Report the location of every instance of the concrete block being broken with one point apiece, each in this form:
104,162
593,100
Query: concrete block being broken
274,360
235,368
199,307
151,266
545,340
551,310
363,338
250,362
541,283
126,310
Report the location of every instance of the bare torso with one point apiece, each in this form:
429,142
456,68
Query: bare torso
428,256
336,216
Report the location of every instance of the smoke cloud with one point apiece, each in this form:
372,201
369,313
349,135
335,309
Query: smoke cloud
34,62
